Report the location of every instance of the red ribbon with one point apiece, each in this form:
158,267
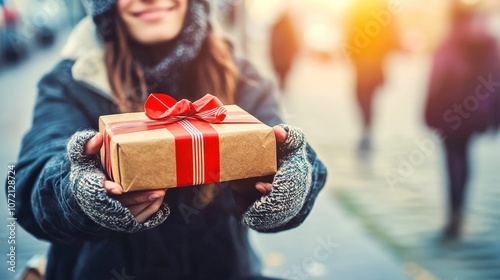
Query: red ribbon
163,107
196,141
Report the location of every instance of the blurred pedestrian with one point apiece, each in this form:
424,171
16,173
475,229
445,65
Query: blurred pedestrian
131,48
463,99
371,36
284,47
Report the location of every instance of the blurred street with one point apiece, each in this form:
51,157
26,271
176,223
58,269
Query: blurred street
381,213
405,213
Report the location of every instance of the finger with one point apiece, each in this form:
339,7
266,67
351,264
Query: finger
280,133
112,187
76,146
93,146
150,210
132,198
138,208
264,188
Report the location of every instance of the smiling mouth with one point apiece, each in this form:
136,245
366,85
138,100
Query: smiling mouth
153,14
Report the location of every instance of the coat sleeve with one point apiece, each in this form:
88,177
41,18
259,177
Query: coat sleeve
258,97
46,206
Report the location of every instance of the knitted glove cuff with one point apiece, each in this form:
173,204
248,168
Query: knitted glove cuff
290,186
87,185
110,213
295,139
76,149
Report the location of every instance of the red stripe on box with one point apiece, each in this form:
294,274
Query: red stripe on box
183,154
211,151
197,152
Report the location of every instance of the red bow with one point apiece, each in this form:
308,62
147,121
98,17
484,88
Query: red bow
163,107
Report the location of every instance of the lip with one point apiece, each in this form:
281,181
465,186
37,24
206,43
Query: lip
153,14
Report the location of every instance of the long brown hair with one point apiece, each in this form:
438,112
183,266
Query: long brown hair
214,71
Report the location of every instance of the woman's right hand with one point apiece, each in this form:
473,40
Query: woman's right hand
102,200
142,204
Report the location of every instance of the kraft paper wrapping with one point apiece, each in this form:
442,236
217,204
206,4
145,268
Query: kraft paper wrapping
147,159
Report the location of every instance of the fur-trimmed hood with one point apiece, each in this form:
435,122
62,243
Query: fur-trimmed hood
84,46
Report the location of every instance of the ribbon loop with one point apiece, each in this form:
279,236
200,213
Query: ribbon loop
163,107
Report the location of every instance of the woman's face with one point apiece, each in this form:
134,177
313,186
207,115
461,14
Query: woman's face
152,21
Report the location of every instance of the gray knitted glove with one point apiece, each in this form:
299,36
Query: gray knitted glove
87,185
290,186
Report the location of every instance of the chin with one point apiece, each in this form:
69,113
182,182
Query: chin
157,39
155,36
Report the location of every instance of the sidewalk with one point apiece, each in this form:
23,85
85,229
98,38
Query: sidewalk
329,245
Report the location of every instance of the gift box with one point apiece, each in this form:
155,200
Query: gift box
174,144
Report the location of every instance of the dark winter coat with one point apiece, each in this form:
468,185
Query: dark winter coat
193,243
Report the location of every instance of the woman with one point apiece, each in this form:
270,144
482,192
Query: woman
131,48
460,102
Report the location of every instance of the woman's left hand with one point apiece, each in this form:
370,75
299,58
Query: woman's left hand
281,136
284,197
